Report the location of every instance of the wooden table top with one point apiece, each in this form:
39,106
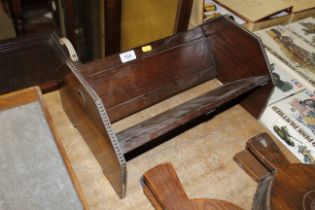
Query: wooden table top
202,157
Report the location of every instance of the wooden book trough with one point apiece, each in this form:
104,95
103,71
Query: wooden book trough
104,91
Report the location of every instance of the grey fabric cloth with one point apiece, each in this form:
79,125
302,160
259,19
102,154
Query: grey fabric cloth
32,173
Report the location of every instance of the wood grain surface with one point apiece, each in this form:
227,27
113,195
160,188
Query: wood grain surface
183,15
142,133
202,156
291,186
232,47
212,204
249,163
112,25
153,76
92,129
163,187
31,60
171,67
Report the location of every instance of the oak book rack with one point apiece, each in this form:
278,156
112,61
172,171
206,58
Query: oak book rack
104,91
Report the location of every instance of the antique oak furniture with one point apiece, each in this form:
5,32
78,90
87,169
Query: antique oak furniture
163,188
31,60
34,170
104,91
282,185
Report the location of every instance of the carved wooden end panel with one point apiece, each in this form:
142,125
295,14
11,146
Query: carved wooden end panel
86,111
239,54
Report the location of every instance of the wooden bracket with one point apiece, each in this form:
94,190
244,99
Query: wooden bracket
163,188
282,185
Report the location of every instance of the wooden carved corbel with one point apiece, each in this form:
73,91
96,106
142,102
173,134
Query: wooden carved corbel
282,185
164,190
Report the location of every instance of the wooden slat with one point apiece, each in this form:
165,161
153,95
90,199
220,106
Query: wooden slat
183,15
145,100
70,24
19,98
98,66
166,187
138,77
251,165
112,26
151,198
154,127
126,89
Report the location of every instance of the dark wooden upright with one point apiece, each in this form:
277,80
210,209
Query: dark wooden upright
101,92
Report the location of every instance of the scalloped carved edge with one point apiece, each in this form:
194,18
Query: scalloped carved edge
106,122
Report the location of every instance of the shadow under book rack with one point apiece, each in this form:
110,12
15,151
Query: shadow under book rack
104,91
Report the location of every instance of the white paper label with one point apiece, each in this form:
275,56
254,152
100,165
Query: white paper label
127,56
